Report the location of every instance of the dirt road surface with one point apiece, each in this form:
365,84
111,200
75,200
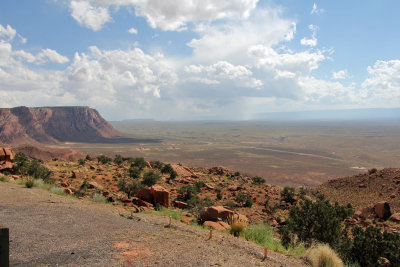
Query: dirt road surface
51,230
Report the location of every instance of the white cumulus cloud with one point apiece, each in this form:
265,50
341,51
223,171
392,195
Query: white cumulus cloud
88,15
340,75
133,31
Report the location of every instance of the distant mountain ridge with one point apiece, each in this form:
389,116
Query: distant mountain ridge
330,115
52,125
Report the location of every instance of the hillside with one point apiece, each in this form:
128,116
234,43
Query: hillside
53,125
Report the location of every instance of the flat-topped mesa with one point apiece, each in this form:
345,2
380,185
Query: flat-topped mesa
52,125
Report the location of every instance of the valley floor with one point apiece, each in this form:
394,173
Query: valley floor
47,229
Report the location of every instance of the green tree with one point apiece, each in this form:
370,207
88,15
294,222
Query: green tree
244,200
257,180
288,193
318,220
134,172
118,159
371,244
103,159
150,178
138,162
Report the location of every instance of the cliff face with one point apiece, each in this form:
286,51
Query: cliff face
52,125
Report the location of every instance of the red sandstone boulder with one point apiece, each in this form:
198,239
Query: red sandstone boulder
64,184
214,225
160,195
142,203
78,175
225,225
68,191
181,205
395,218
215,213
367,212
145,194
382,210
155,194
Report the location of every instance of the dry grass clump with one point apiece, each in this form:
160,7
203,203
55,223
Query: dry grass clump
238,224
323,256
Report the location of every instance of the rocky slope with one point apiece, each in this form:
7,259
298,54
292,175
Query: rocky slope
365,189
52,125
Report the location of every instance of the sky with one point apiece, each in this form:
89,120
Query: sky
200,59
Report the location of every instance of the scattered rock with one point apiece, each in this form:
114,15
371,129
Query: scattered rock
186,219
181,205
382,210
92,167
215,213
395,218
142,203
68,191
64,184
148,165
372,171
214,225
78,174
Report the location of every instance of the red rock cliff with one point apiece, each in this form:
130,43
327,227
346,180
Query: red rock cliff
52,125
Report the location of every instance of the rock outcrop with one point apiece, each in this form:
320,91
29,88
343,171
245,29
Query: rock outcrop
155,194
52,125
215,213
6,158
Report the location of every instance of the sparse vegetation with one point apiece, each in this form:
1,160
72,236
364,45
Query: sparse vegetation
323,256
288,194
118,159
244,200
138,162
156,164
29,183
103,159
257,180
150,178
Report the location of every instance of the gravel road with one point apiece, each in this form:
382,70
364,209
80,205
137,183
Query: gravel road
51,230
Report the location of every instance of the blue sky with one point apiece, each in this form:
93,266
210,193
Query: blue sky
192,59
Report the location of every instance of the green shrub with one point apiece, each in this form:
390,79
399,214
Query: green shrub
370,245
118,159
38,171
99,198
318,221
129,186
288,193
219,193
236,174
167,168
81,162
150,178
156,164
244,200
21,162
134,172
257,180
103,159
88,157
3,178
138,162
56,190
29,183
186,192
198,186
